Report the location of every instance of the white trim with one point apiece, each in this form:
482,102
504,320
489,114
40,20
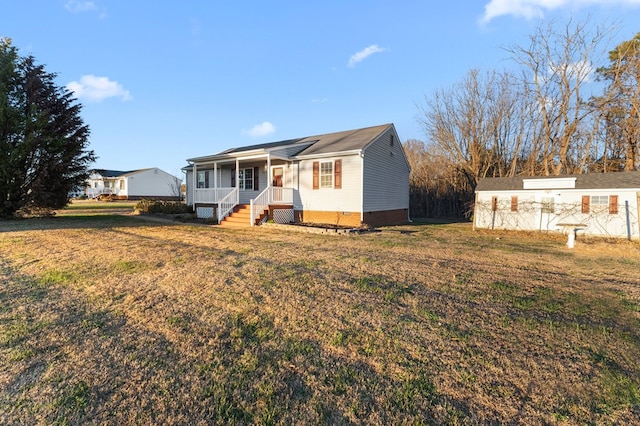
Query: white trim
550,183
329,154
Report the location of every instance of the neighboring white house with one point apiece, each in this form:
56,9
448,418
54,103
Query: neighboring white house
133,185
602,204
348,178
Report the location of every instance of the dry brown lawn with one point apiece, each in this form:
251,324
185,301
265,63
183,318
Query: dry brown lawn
116,320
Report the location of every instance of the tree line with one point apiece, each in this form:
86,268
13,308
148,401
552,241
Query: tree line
554,113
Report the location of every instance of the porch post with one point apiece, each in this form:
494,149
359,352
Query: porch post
268,170
215,179
238,179
195,184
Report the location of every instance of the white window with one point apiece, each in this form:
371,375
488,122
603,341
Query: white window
122,185
246,179
548,205
203,179
326,174
600,201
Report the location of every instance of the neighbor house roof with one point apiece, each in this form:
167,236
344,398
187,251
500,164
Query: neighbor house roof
585,181
329,143
117,173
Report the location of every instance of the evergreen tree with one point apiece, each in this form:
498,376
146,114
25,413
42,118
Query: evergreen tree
43,139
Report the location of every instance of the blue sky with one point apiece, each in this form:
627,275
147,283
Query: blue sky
163,81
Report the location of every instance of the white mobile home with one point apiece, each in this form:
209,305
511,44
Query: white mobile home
347,178
601,204
133,185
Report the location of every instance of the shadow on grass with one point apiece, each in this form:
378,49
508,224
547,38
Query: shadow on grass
246,369
89,221
437,220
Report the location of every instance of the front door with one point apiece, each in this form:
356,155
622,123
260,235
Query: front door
277,180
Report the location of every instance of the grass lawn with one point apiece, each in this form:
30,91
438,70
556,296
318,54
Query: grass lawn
115,320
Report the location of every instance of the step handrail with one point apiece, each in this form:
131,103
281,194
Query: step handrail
226,204
260,203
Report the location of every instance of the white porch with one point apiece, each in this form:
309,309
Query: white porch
220,185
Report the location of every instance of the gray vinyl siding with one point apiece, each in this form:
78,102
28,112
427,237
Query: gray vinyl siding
189,182
386,175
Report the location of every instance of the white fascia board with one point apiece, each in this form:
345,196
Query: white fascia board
255,153
228,158
550,183
328,154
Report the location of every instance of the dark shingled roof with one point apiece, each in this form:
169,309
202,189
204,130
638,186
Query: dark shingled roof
348,140
262,146
586,181
116,173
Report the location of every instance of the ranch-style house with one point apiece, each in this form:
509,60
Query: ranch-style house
133,185
349,178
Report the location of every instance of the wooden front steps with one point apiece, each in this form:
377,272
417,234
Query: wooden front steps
241,217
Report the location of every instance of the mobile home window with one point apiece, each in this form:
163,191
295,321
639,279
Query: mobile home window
548,205
601,201
326,174
122,184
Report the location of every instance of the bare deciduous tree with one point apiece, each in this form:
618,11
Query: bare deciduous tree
557,64
472,124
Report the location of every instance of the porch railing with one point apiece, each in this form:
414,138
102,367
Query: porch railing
211,195
271,195
227,203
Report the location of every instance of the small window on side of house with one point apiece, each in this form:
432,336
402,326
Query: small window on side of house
122,185
326,174
548,205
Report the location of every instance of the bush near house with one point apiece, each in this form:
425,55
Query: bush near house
162,207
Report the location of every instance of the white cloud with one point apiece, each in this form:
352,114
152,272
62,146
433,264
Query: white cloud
95,89
263,129
77,6
529,9
363,54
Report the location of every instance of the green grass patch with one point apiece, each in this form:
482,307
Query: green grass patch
391,291
130,266
57,276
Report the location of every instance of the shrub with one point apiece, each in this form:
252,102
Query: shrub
162,207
